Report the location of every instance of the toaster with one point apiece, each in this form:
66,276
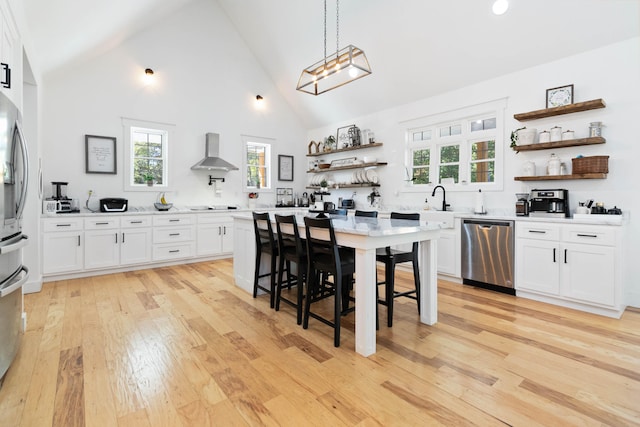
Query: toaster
113,204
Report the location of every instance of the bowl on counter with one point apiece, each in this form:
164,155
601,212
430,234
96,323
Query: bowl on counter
163,206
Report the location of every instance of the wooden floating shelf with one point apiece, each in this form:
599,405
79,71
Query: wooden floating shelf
369,184
342,150
341,168
561,144
557,111
561,177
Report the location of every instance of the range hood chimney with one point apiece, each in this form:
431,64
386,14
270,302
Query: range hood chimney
211,160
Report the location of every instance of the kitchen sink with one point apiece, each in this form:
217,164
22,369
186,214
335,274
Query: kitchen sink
439,216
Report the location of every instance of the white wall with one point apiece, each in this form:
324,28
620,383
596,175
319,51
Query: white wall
206,81
611,73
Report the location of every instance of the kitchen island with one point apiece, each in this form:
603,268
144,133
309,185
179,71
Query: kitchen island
365,235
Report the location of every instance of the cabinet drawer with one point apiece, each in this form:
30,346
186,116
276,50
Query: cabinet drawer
537,230
66,224
101,223
159,220
173,234
135,221
173,251
586,234
214,218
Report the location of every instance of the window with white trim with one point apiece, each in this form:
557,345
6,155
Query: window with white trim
257,163
146,155
459,151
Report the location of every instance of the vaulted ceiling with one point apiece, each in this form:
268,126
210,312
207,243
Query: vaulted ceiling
416,48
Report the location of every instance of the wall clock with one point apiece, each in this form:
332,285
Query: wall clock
559,96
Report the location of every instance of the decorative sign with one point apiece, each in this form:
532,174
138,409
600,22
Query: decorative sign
100,154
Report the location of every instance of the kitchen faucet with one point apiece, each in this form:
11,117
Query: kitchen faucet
444,196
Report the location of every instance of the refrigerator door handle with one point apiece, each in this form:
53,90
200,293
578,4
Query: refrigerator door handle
14,246
25,161
17,285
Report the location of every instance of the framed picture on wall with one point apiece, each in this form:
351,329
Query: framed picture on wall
100,154
559,96
285,168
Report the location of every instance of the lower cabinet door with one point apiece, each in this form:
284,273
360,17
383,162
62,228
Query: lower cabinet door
62,252
135,246
101,249
447,253
209,239
588,273
538,266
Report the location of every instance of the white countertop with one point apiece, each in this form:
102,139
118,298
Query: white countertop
491,215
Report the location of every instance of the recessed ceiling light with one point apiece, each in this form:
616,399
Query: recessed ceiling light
500,7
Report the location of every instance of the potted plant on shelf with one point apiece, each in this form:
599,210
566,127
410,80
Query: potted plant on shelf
329,143
514,139
323,186
148,178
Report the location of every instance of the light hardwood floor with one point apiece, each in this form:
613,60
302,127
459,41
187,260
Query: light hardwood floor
182,346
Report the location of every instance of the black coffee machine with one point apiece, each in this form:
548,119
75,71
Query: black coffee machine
549,203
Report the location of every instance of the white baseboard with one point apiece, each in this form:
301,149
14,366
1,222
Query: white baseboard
633,299
33,285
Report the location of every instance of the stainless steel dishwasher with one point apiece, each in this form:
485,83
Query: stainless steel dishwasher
487,254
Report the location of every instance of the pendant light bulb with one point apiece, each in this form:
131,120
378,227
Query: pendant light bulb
148,77
353,72
500,7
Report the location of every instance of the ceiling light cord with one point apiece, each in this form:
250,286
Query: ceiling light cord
337,28
325,33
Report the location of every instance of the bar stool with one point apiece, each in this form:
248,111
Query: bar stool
292,249
325,256
265,244
390,257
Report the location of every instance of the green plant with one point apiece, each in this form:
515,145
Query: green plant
148,177
514,138
324,183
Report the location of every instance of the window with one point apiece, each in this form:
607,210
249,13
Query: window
148,147
146,155
483,154
450,162
462,150
257,163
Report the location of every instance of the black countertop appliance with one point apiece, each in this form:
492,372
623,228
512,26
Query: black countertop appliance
113,204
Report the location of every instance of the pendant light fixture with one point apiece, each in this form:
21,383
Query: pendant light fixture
344,66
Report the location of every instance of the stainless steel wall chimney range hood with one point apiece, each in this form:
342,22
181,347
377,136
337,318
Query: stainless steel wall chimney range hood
211,160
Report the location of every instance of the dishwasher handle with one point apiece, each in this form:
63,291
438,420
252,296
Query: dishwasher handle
488,223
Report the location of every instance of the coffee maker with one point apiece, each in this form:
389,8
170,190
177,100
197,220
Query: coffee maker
522,204
549,203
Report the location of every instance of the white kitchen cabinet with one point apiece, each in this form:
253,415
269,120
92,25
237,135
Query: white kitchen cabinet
10,56
573,265
173,237
449,251
215,234
537,268
62,247
588,273
135,243
101,247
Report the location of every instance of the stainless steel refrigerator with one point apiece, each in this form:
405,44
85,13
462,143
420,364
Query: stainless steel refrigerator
14,165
